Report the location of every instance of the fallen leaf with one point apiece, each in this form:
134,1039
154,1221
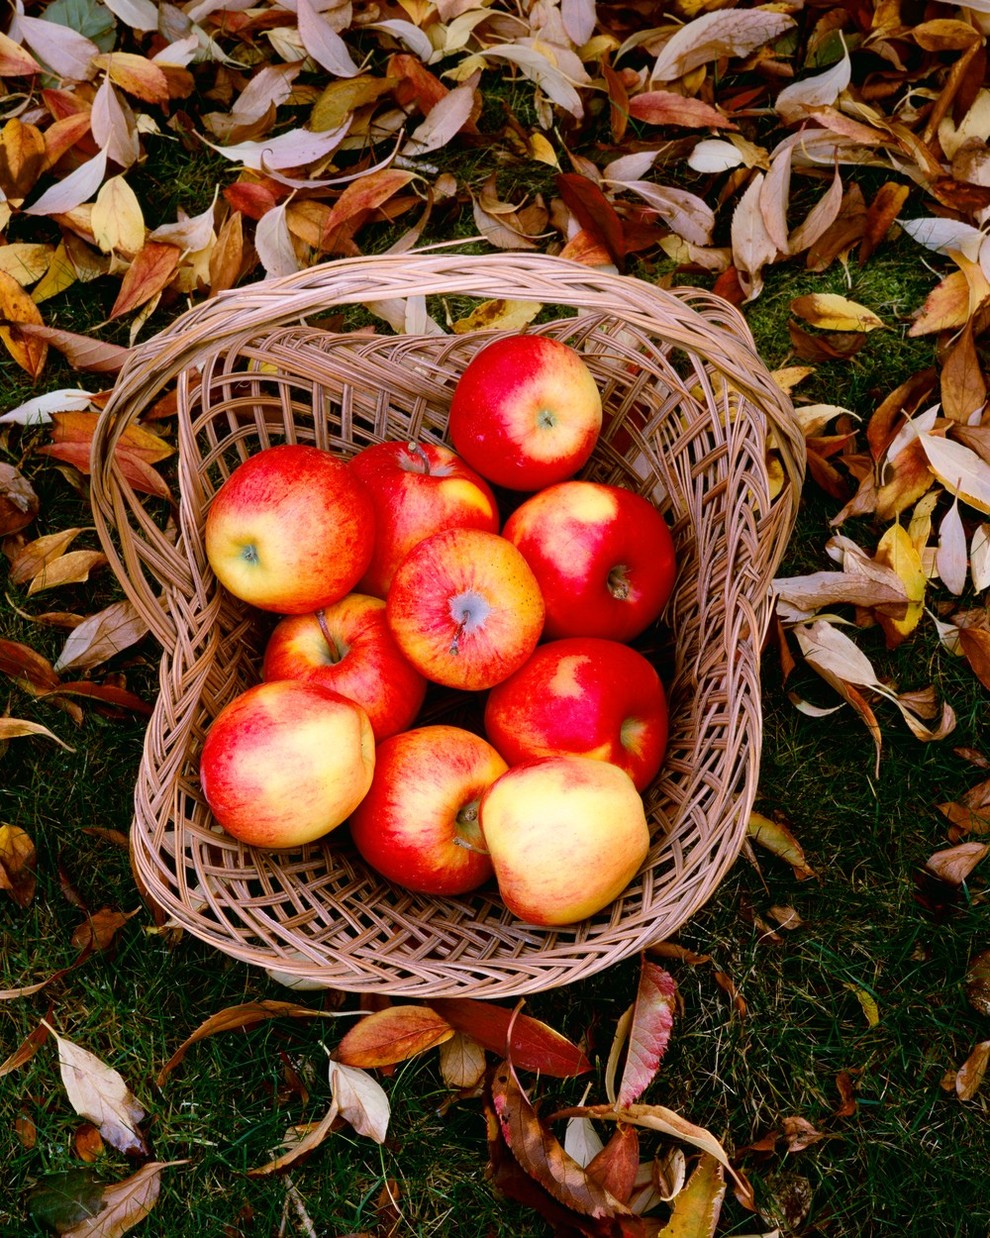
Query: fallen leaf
99,930
17,861
462,1062
971,1074
800,1134
17,307
17,728
650,1030
867,1002
299,1142
360,1100
698,1205
82,352
534,1045
954,864
777,838
978,982
26,1050
664,107
714,35
542,1156
123,1204
68,569
87,1143
393,1035
117,218
150,271
831,312
236,1018
19,503
975,646
616,1165
98,1093
102,636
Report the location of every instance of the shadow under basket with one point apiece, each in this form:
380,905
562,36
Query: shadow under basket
693,421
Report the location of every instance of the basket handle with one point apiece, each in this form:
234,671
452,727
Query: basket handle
719,335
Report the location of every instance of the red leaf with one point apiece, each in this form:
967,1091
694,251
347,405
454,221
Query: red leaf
593,212
541,1154
616,1166
649,1035
664,107
27,668
81,351
535,1046
107,694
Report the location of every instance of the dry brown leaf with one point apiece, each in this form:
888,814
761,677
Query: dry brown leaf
971,1074
664,107
975,645
18,502
124,1203
83,352
777,838
235,1018
88,1143
36,555
954,864
18,728
800,1134
26,1050
99,930
69,569
462,1061
102,636
97,1092
714,35
150,271
542,1156
298,1141
22,157
978,982
17,860
136,74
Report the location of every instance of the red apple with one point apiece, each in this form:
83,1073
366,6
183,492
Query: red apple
418,489
603,556
597,698
465,608
526,412
286,762
290,530
566,835
349,648
418,825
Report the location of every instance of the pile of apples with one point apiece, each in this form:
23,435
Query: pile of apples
392,571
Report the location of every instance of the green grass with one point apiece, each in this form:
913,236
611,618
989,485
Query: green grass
909,1161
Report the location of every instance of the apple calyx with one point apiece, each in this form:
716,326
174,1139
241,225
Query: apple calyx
631,733
469,610
545,419
618,583
335,651
249,553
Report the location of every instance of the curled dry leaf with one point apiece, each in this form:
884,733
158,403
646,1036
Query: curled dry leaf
360,1100
102,636
17,859
26,1050
234,1018
18,501
99,930
534,1045
775,835
18,728
123,1204
971,1074
698,1205
800,1134
299,1141
462,1062
542,1156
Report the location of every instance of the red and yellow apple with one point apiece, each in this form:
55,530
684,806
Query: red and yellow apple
418,824
349,648
290,530
286,762
526,412
566,835
603,556
418,489
585,695
465,608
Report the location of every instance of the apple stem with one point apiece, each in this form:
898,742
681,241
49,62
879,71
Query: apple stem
455,644
332,646
419,454
618,582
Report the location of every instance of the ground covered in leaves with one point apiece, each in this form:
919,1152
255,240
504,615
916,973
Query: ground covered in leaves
808,1056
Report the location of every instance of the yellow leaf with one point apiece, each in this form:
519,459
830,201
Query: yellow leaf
16,306
834,313
503,315
698,1205
897,551
60,275
117,221
776,837
25,261
17,728
867,1001
541,150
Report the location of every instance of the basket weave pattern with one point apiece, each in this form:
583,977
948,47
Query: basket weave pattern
689,410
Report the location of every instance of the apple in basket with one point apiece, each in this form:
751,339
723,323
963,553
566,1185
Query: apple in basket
349,648
566,834
526,412
597,698
465,608
418,825
290,530
603,556
418,489
286,762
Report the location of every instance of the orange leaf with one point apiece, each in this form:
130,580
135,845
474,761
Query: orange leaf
136,450
147,275
15,307
594,212
365,194
135,74
947,307
28,669
393,1035
16,61
975,644
664,107
535,1046
22,157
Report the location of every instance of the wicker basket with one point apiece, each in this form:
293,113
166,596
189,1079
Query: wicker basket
691,414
